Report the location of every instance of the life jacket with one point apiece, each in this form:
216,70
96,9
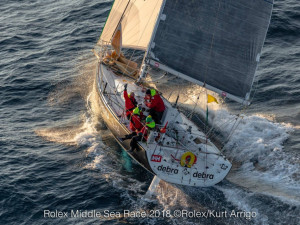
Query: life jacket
146,131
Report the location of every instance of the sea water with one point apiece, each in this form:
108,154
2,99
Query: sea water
58,157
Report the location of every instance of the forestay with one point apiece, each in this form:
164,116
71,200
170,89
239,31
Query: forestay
137,18
216,42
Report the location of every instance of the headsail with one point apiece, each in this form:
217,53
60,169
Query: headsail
216,42
137,18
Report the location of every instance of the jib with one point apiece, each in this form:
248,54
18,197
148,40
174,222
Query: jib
203,175
167,169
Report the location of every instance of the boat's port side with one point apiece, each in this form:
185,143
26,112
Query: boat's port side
115,122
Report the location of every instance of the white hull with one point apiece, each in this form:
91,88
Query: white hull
163,158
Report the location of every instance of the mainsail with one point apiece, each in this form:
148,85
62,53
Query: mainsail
214,43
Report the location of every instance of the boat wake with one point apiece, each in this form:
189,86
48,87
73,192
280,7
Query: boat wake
77,131
66,98
264,165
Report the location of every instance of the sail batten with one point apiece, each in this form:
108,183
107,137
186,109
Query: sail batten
216,42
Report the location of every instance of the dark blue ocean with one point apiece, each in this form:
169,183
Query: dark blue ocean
57,154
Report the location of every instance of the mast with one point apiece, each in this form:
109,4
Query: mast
144,63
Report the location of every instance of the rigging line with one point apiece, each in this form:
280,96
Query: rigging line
171,93
200,120
217,136
153,34
223,124
196,103
213,134
234,127
228,121
111,14
205,129
153,81
255,90
127,65
206,117
238,120
140,35
233,130
120,21
146,24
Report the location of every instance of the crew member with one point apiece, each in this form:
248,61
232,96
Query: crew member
156,105
135,120
140,135
130,102
143,134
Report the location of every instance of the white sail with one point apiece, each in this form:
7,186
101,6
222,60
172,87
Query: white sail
137,17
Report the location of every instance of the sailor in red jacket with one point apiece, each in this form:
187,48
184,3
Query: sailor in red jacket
150,124
156,105
141,135
135,120
130,102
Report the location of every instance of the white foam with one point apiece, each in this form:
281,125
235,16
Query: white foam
258,144
88,134
78,131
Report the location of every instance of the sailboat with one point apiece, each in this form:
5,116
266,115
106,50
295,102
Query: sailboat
215,44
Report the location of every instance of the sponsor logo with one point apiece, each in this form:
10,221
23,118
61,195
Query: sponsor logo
224,167
156,158
203,175
185,171
224,94
167,169
157,64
